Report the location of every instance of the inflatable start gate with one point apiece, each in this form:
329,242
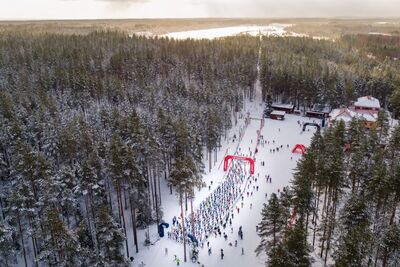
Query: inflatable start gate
229,157
300,148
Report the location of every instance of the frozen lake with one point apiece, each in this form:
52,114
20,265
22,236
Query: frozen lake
272,29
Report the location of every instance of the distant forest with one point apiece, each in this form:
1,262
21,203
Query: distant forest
91,123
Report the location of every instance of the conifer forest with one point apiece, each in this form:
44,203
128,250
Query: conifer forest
93,126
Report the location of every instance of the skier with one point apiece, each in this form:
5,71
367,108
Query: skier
209,251
242,251
222,254
166,251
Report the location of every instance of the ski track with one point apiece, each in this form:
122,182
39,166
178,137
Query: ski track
278,165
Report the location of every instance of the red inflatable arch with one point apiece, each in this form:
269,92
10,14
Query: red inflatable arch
229,157
299,147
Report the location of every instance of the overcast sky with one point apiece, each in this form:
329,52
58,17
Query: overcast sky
93,9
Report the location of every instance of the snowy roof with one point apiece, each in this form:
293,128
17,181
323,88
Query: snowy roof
367,101
343,114
278,113
321,108
288,106
347,114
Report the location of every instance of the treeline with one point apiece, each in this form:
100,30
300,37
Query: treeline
346,192
89,126
304,71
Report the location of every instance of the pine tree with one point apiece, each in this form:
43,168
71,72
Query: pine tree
391,246
395,102
110,237
297,249
7,244
272,224
60,246
382,126
355,239
279,257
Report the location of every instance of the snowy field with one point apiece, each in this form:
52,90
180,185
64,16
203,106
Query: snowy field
275,29
254,30
278,165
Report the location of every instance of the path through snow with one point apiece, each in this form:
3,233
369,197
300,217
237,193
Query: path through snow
278,165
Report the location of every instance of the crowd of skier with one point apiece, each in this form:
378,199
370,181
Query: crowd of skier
215,214
216,211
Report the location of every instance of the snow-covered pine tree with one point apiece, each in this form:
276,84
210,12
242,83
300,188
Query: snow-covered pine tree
298,250
110,237
60,246
8,248
278,256
272,225
355,235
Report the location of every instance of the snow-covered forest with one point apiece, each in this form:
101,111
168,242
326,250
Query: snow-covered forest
347,201
90,124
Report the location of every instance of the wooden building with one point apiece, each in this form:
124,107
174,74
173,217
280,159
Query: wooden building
277,115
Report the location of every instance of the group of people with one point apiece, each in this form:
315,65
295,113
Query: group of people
214,211
215,214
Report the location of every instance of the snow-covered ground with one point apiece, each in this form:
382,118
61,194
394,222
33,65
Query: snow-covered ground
278,165
379,33
275,29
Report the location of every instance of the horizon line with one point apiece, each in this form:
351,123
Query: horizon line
192,18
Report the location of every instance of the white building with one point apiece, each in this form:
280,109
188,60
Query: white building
367,103
366,109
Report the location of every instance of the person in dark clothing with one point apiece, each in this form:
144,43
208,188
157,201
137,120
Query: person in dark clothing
222,254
